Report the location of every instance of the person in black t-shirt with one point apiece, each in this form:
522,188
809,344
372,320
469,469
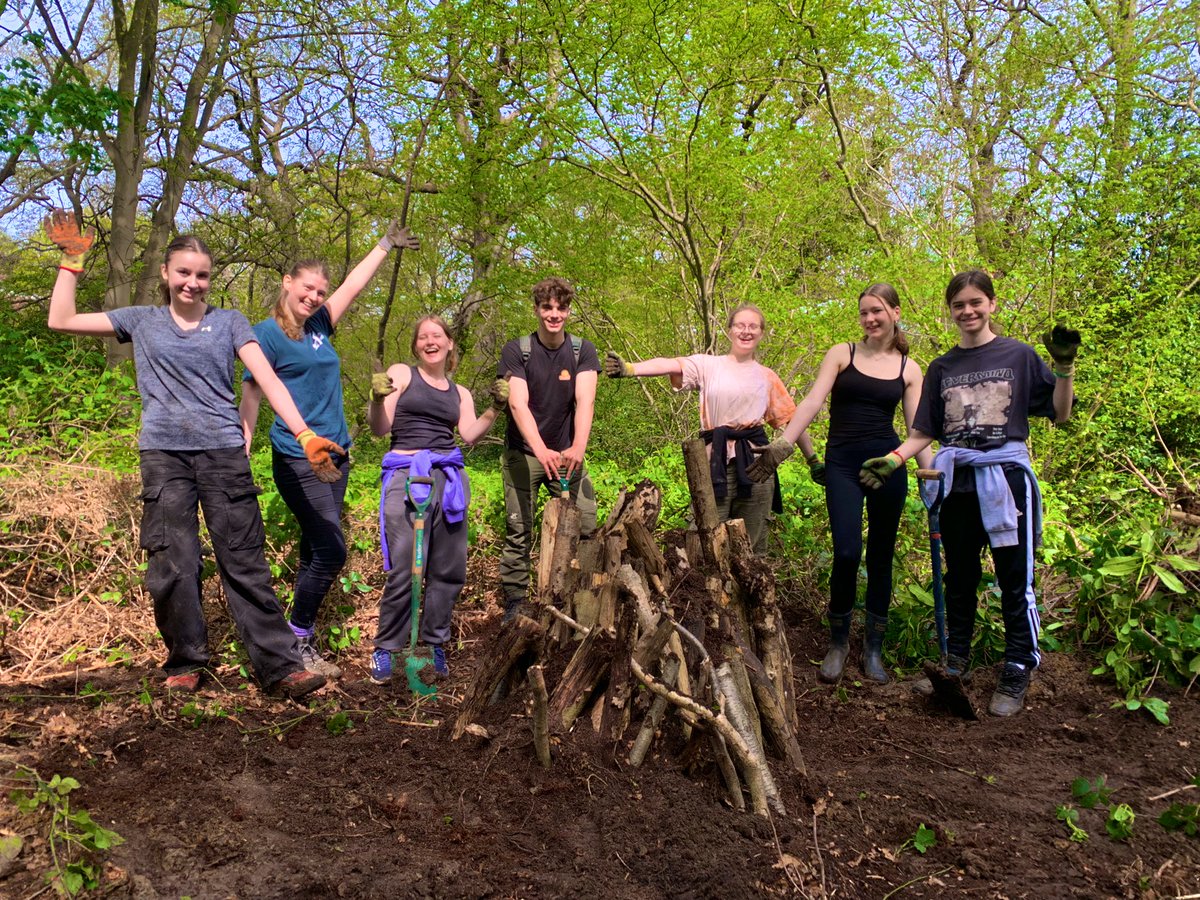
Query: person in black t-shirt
552,394
977,401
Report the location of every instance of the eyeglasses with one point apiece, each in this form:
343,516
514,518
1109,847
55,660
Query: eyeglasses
746,329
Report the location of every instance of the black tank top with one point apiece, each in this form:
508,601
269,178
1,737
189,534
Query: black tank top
425,416
862,408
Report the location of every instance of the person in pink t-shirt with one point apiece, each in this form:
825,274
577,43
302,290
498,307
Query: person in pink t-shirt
737,396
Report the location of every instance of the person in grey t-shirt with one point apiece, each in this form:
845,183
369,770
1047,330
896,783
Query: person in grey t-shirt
193,456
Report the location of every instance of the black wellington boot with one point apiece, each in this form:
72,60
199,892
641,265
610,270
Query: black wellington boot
839,648
872,658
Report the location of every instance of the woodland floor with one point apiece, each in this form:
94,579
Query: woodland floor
241,796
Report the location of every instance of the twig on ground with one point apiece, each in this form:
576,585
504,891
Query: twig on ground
897,890
934,759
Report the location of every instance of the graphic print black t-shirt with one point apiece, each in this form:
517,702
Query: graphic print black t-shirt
550,375
983,397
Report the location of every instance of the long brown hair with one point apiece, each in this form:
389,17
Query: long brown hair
281,313
183,243
881,290
452,356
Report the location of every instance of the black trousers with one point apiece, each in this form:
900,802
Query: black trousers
317,507
844,497
175,485
964,539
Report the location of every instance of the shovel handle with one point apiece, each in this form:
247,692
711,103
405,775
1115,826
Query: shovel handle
421,479
928,474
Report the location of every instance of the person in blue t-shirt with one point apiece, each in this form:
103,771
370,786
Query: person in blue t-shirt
192,457
296,341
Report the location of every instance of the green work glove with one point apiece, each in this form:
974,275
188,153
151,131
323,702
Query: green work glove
816,469
499,394
875,472
615,367
1062,344
770,459
381,386
318,450
395,236
62,228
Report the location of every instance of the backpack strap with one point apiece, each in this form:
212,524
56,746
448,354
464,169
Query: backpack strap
526,343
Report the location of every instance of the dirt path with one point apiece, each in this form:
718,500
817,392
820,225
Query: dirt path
237,796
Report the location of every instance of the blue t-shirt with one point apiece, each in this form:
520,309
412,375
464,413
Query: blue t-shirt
312,372
185,377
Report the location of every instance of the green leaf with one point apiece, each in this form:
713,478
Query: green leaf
1119,566
924,838
1157,708
1170,579
1120,822
1182,563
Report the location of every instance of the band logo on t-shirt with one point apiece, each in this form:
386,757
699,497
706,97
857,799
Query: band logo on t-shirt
978,405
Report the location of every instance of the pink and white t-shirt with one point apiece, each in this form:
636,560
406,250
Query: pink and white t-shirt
736,394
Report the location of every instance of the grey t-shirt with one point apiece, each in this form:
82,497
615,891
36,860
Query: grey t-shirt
185,377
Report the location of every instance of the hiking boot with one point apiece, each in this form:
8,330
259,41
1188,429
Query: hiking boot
1009,695
381,666
512,608
834,662
440,666
956,666
298,684
185,682
872,656
312,659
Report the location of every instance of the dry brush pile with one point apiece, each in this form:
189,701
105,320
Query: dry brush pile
698,628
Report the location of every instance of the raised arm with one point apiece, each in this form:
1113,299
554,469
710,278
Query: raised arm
62,228
1063,344
471,427
360,275
615,367
386,388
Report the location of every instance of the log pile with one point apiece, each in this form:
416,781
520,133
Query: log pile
697,627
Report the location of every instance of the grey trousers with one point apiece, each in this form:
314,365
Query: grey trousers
445,548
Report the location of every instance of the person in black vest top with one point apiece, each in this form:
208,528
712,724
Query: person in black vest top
865,382
421,406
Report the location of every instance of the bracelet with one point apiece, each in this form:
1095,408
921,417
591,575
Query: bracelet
1068,374
78,271
305,436
898,456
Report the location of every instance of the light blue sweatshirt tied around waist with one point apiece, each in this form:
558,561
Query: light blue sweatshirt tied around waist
997,507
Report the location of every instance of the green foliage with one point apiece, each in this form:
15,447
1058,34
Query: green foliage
75,839
1183,817
339,723
1119,824
1134,607
1090,794
1069,816
922,840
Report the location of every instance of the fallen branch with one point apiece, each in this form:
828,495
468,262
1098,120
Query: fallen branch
541,715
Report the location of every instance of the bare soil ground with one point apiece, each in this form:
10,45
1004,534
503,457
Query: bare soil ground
238,795
232,794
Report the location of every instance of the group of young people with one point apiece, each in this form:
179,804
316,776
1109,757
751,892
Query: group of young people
976,400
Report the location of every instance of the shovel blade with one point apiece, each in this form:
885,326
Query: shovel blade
413,666
950,691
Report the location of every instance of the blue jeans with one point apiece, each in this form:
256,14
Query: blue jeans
175,485
317,507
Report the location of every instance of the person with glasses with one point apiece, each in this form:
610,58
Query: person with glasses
738,395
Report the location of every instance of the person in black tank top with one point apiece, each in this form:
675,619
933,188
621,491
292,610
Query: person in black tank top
865,382
421,407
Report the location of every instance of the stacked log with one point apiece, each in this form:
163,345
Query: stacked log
697,627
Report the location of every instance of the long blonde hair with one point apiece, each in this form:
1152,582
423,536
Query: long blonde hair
281,313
